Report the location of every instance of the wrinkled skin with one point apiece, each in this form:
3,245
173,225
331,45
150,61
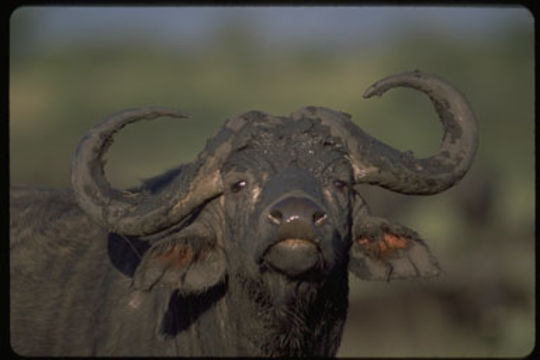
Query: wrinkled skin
244,252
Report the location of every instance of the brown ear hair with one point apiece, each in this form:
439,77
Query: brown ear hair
383,250
191,262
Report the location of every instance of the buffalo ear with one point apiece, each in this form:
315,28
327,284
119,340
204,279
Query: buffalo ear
191,263
383,250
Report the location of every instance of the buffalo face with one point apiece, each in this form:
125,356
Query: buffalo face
288,212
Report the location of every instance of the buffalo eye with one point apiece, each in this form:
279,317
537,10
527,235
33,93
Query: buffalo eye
340,184
239,185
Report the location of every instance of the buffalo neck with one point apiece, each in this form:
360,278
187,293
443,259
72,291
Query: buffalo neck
245,321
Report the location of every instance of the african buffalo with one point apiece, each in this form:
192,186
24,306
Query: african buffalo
244,251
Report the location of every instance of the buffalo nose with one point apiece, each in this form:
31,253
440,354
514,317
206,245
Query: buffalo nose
296,209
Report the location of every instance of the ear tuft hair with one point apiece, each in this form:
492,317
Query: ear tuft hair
383,250
191,263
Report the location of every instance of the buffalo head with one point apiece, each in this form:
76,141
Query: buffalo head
273,200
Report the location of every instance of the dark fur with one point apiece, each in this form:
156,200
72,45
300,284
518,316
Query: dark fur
77,289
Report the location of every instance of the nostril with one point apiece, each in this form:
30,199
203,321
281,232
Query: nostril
275,216
319,218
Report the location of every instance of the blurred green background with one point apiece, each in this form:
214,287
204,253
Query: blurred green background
70,67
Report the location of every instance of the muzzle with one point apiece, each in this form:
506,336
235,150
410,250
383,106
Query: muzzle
297,248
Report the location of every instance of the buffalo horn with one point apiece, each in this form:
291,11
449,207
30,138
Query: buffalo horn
138,212
379,164
402,172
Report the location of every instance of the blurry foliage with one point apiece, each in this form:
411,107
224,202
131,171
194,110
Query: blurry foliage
482,231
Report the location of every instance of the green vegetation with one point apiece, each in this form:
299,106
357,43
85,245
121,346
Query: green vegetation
482,231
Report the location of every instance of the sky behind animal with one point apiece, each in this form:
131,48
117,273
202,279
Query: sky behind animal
341,26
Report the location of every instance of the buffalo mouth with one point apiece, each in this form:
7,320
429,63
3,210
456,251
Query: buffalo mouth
293,256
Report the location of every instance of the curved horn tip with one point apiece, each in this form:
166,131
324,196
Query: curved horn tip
371,91
155,111
381,86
